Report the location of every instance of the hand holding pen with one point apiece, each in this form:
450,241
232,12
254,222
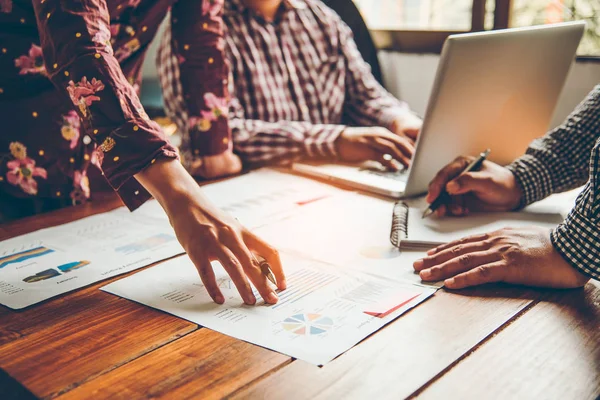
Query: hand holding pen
484,187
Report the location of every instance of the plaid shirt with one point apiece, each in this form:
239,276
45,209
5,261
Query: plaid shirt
561,161
294,82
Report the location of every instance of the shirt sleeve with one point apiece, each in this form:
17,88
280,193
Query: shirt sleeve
559,161
197,58
75,39
367,103
578,237
257,141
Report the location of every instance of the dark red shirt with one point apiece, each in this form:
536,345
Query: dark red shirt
69,73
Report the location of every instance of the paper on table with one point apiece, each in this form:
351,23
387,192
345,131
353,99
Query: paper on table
259,197
53,261
324,311
348,229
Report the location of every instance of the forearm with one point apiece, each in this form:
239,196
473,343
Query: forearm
578,238
559,161
260,141
171,185
75,39
195,52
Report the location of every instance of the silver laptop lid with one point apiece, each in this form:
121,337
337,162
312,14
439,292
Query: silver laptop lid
494,90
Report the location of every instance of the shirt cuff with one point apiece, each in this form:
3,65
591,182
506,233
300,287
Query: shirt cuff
388,116
321,141
533,177
131,192
578,241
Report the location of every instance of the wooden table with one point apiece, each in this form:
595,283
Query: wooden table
491,342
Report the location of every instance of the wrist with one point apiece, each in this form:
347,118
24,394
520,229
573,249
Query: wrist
518,194
169,183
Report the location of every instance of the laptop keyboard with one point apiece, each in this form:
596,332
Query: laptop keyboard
384,173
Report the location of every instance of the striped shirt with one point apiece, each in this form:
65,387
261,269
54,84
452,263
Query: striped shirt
566,158
295,83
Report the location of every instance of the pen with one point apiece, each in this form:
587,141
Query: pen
444,197
266,270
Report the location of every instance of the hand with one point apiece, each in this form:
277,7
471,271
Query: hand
491,188
208,234
210,167
522,256
408,125
374,143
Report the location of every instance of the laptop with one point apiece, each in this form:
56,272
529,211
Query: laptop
495,89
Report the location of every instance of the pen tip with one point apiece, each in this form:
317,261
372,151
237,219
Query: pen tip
426,213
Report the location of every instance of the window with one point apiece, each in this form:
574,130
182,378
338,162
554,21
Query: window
445,15
535,12
423,25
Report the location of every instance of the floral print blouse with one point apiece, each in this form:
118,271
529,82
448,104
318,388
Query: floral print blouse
70,71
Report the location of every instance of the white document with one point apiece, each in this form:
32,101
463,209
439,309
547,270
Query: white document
259,197
53,261
349,230
324,311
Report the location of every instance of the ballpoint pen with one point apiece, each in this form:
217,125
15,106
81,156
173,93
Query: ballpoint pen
444,197
266,270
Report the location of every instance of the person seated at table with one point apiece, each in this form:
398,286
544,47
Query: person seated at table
297,79
67,102
568,256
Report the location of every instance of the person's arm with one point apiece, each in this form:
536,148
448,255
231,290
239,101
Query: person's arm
559,161
367,103
193,72
198,46
577,239
564,257
260,141
75,40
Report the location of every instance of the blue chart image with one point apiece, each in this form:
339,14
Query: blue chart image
24,256
73,265
307,324
51,273
145,244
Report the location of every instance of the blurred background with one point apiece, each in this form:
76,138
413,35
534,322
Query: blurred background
402,40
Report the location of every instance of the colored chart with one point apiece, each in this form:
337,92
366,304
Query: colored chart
307,324
146,244
42,276
24,255
73,265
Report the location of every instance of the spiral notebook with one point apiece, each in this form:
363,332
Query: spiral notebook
411,232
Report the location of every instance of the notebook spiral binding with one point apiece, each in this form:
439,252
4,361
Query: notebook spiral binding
399,223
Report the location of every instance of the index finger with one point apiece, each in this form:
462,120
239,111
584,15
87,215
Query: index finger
446,174
270,254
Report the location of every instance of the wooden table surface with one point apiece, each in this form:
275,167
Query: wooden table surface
496,341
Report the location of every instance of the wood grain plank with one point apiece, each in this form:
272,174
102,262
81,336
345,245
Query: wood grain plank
63,343
551,352
405,355
202,365
16,324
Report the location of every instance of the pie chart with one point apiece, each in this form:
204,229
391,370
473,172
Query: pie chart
307,324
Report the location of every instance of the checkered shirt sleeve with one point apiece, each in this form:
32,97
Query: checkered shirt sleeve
568,157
